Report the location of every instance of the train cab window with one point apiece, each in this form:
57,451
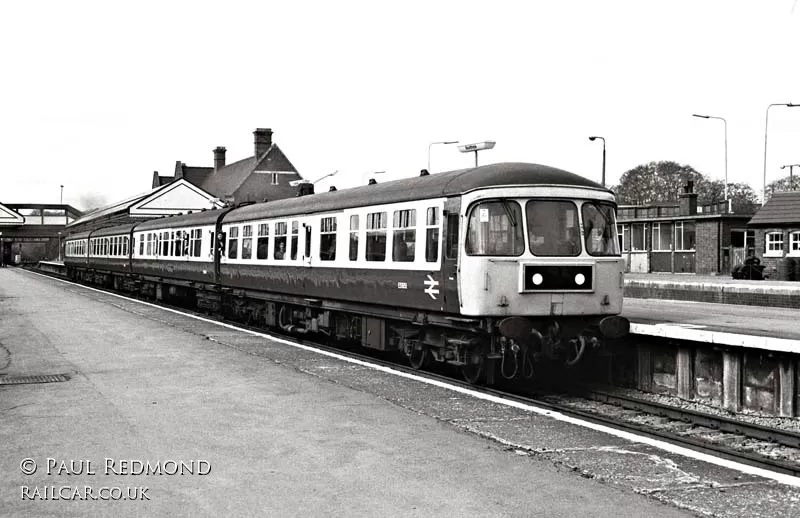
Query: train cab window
195,242
295,236
280,241
233,242
376,236
495,228
404,235
262,245
432,234
247,242
600,229
353,237
553,228
327,239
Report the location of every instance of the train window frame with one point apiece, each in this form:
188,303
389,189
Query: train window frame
327,238
432,233
404,235
281,237
262,242
491,218
546,243
195,242
247,242
353,241
375,236
233,242
294,242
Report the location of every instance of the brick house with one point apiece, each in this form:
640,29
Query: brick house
265,175
776,226
682,237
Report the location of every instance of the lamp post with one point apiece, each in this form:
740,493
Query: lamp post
478,146
766,126
603,181
440,142
726,146
791,176
61,199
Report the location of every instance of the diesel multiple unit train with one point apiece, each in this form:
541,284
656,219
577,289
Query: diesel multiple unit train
492,269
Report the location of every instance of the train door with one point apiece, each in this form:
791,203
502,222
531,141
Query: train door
450,247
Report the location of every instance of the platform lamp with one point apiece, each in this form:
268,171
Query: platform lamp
478,146
440,142
726,146
791,176
603,177
61,199
766,127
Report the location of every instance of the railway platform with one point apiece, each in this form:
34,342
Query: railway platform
282,430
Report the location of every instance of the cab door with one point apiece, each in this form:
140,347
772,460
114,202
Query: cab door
451,245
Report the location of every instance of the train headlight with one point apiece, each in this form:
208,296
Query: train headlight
580,279
537,279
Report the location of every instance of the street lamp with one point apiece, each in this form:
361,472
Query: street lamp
791,177
726,146
766,126
440,142
61,200
603,182
295,183
479,146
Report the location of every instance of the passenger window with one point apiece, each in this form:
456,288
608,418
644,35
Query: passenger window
404,223
233,242
354,237
165,244
376,236
432,235
247,242
295,235
451,250
495,228
280,241
263,241
327,239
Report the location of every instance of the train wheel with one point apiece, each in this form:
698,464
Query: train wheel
475,366
420,357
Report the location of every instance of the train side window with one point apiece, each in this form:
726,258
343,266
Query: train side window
354,237
405,235
262,244
327,239
141,245
195,242
451,250
178,252
376,236
280,241
247,242
295,235
165,244
125,246
233,242
432,235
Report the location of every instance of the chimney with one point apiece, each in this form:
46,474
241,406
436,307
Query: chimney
263,140
687,200
219,158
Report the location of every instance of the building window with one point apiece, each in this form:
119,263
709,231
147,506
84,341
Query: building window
404,236
262,244
274,178
247,242
684,235
233,242
353,237
662,237
624,235
639,237
432,235
794,243
774,243
327,239
376,236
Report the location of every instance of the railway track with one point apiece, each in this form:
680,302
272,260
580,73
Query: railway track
778,451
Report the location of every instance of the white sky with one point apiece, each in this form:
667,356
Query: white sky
98,95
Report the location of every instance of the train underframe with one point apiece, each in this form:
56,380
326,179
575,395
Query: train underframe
484,349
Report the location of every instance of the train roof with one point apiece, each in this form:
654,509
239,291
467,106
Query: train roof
79,235
114,231
196,219
438,185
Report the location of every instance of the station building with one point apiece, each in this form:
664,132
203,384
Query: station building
776,228
683,237
265,175
31,232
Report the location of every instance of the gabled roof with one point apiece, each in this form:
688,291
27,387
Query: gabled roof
9,216
783,208
230,178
